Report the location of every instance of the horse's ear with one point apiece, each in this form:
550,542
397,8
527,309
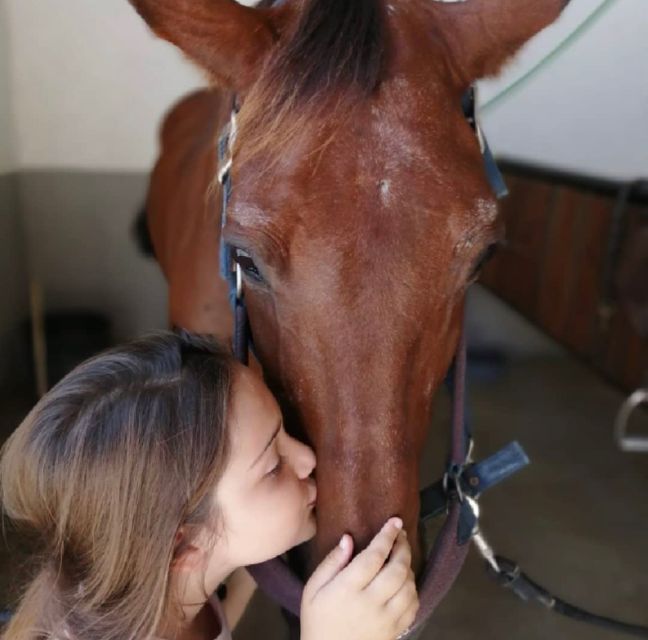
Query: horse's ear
484,34
227,39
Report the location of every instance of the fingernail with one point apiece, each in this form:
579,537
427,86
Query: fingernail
398,523
344,542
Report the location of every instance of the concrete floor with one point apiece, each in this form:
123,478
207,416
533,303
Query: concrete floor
576,519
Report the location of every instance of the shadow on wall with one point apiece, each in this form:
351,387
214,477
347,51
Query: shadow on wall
72,233
14,307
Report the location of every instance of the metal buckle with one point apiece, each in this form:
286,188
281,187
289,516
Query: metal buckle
454,474
480,136
230,132
224,170
456,471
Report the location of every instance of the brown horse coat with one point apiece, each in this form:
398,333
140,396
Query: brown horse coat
359,197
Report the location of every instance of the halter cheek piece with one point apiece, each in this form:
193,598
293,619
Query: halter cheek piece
454,496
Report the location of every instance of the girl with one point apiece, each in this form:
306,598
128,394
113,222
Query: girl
152,472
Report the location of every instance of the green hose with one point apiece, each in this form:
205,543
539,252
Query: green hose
575,35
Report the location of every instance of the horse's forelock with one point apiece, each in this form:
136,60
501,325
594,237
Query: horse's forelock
336,44
335,48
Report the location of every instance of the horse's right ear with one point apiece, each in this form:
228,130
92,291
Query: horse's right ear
483,34
225,38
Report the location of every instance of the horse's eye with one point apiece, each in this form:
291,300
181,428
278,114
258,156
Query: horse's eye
485,256
247,265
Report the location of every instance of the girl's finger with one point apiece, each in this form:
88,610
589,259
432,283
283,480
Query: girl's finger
364,567
396,571
334,562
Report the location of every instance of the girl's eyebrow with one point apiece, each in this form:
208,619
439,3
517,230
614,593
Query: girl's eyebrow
274,435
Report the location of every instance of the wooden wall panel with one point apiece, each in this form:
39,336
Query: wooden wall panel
553,300
552,268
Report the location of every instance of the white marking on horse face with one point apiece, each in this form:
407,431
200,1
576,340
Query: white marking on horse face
485,210
248,214
400,145
482,215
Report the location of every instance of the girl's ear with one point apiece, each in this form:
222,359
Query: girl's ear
483,34
186,556
225,38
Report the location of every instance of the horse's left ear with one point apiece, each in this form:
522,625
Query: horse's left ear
227,39
484,34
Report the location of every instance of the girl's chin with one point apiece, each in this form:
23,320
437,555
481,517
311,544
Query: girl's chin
310,528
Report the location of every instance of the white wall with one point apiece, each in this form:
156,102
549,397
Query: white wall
79,228
90,84
587,111
6,121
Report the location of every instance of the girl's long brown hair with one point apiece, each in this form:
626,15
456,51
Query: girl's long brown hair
104,470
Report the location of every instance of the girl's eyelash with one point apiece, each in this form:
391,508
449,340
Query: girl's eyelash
278,467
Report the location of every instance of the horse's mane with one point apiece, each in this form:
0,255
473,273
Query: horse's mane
334,50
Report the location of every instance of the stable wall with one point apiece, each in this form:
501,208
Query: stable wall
73,74
586,110
13,284
89,85
82,226
13,275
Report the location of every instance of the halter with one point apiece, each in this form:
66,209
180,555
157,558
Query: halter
455,495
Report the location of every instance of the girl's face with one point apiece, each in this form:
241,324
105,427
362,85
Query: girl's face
266,496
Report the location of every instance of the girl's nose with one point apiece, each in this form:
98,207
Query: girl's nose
303,459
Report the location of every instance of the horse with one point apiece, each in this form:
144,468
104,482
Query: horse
359,215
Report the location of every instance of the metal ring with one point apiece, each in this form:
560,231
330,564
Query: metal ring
239,282
455,474
635,444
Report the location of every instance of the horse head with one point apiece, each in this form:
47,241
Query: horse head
360,213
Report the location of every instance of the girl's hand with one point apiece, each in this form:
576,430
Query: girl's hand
370,598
